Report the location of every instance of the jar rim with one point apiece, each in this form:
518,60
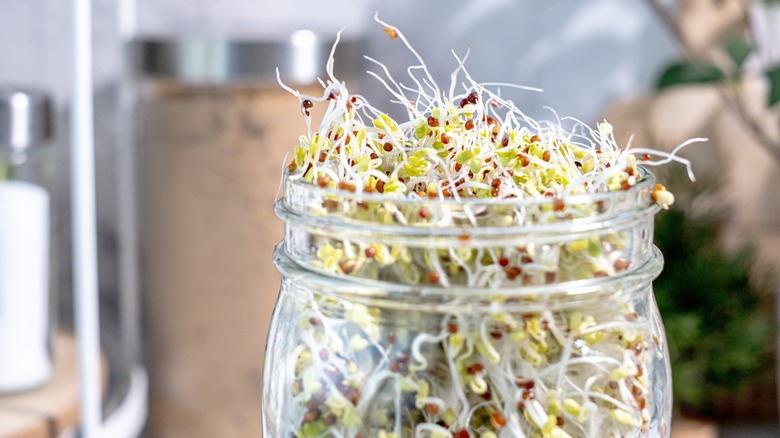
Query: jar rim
646,179
305,203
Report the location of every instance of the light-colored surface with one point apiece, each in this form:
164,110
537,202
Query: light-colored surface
50,410
24,287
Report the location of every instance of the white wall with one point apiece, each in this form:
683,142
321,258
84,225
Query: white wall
583,53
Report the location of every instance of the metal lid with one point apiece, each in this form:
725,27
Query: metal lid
301,58
25,117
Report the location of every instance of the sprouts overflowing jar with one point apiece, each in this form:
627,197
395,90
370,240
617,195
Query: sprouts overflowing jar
470,272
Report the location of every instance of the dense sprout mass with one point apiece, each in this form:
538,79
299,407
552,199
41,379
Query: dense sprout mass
467,159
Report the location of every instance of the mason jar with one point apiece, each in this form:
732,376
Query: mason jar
25,225
403,317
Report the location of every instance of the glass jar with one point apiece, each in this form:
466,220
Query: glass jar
440,318
25,227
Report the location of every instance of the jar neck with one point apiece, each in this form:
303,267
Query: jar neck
476,245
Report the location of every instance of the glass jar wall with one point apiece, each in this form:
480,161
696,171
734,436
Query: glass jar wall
489,318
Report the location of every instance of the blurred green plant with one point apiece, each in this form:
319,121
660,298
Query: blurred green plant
701,72
719,334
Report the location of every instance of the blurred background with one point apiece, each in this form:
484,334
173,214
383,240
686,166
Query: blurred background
192,130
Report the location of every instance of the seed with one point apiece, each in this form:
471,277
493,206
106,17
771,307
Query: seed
472,97
503,261
322,181
464,102
474,369
433,122
292,166
315,321
512,272
550,277
496,335
639,371
343,185
498,420
374,156
559,421
558,204
380,186
462,433
535,138
621,264
525,383
311,416
425,213
370,252
526,160
444,138
306,105
432,409
656,189
391,32
433,277
494,191
625,185
495,183
546,156
505,141
354,396
347,266
387,147
469,124
646,157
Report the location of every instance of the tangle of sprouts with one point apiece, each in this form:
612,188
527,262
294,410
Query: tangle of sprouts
367,371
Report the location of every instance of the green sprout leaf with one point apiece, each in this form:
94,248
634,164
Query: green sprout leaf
738,50
690,73
774,82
